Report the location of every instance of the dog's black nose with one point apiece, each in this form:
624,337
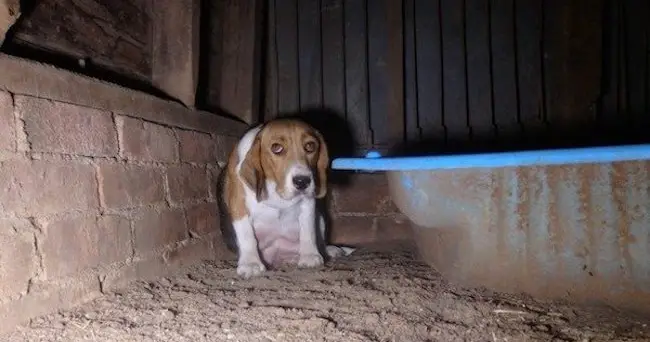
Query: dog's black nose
301,182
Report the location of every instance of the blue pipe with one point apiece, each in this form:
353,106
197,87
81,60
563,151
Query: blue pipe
374,162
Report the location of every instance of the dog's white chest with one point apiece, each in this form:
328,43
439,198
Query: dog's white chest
281,221
277,231
271,223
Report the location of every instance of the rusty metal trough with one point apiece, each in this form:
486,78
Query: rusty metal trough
554,223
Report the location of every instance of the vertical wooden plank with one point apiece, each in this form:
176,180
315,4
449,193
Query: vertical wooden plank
504,68
453,69
333,56
309,54
573,64
175,53
610,101
240,58
385,54
636,50
528,16
209,88
410,74
479,77
621,73
286,28
356,71
429,69
271,72
647,76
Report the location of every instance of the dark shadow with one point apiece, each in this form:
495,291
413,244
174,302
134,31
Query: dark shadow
225,221
597,134
90,69
206,24
340,140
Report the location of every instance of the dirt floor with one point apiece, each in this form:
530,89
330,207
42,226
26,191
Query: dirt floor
373,295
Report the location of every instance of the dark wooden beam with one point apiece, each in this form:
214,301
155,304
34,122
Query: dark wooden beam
175,60
113,36
235,62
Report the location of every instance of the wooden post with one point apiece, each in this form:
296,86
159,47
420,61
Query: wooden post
235,60
175,56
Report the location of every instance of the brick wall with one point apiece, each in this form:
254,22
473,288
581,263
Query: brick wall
98,190
101,185
363,212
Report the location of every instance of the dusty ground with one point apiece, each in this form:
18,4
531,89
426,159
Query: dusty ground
372,296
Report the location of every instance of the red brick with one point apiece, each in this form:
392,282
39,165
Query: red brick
76,243
202,219
44,187
395,228
18,255
154,229
130,185
145,141
224,146
7,123
66,128
352,230
155,266
196,147
213,175
187,183
46,297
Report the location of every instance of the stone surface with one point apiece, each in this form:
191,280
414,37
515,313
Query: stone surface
7,123
46,297
66,128
189,254
187,183
196,147
125,186
76,243
202,219
46,187
146,141
158,228
367,193
18,261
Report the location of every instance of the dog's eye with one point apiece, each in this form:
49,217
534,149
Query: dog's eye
277,148
310,147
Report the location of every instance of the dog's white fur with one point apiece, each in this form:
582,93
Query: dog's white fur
277,225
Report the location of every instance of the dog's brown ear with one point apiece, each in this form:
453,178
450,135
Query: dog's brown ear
322,166
252,171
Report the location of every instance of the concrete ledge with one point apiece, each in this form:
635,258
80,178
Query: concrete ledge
25,77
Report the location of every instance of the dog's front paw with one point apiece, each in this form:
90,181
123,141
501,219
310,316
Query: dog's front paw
250,269
310,260
337,252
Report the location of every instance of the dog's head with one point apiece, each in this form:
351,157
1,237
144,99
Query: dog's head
288,156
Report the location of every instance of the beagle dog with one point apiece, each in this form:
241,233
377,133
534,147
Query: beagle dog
273,179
